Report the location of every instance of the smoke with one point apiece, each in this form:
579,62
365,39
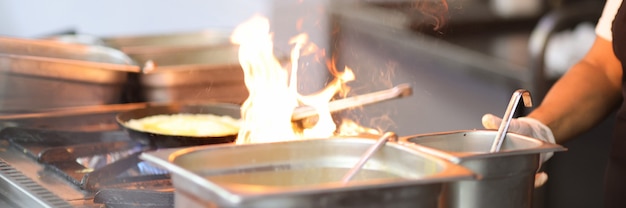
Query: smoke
430,13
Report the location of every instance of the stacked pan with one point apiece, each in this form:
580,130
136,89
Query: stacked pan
42,74
179,67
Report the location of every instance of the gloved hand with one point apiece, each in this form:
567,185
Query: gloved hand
528,127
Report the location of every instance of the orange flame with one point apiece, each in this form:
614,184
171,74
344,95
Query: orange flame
273,94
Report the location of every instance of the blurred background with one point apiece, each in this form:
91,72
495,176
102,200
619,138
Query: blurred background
33,19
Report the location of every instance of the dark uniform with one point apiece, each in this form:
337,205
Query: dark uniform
615,181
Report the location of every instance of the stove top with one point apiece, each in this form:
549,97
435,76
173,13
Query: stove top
77,158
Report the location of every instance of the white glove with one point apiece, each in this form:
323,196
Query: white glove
523,125
528,127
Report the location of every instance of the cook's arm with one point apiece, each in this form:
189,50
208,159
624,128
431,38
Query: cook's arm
585,95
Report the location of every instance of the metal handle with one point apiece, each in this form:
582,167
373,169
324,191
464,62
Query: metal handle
389,136
399,91
508,115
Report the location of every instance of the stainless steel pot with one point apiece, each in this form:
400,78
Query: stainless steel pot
305,173
505,178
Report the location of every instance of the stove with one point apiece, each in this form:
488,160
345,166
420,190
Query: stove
77,157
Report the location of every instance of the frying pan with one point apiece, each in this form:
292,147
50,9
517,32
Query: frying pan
165,141
155,140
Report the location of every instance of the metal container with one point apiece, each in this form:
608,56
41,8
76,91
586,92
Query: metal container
195,38
505,178
220,81
305,173
40,74
194,66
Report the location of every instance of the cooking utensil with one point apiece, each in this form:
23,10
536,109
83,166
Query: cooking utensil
508,115
381,141
304,173
155,140
505,178
402,90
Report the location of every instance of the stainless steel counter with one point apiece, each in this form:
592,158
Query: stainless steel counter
6,203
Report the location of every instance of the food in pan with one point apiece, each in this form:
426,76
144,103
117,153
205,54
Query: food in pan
185,124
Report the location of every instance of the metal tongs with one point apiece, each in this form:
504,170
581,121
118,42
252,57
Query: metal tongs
508,115
389,136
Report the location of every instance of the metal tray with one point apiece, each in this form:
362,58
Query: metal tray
305,173
210,49
48,74
86,119
463,145
505,178
59,50
192,66
134,43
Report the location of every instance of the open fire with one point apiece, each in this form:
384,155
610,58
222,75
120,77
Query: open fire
273,95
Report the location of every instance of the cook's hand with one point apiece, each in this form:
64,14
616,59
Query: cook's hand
540,179
529,127
523,125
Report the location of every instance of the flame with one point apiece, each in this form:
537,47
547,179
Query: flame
350,128
273,94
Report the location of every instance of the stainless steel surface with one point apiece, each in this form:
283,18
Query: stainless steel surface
86,119
195,66
73,111
182,58
40,74
64,69
508,115
399,91
191,66
25,94
138,43
304,173
57,50
222,54
178,58
219,67
219,81
27,183
505,178
208,92
368,154
26,192
45,187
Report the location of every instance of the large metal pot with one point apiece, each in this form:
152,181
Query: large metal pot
305,173
505,178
